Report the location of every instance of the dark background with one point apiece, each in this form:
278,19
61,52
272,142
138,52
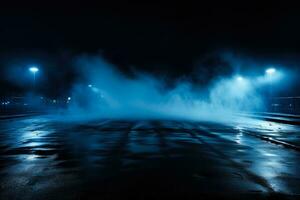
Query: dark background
172,39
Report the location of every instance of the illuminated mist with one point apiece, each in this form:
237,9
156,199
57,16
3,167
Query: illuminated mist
108,93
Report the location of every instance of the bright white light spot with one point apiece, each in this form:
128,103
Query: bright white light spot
69,98
239,78
270,71
33,69
90,86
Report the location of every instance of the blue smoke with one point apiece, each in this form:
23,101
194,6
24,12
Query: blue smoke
107,93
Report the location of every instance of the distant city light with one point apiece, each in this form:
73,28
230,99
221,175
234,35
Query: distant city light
5,103
270,71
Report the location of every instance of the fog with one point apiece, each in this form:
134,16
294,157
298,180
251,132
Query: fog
105,92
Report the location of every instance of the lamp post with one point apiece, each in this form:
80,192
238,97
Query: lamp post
33,70
270,72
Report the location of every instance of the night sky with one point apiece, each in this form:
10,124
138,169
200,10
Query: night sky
163,38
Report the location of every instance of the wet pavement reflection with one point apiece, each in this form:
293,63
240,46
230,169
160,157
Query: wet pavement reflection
42,158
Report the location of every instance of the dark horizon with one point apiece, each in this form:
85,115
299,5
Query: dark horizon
167,39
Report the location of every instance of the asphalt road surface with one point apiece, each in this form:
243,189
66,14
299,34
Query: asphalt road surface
45,158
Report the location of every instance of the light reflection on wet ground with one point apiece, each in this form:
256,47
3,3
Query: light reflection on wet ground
283,132
42,157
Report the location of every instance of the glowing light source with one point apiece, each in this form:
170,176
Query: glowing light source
239,78
34,69
270,71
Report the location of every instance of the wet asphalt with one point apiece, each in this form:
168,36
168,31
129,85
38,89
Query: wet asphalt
45,158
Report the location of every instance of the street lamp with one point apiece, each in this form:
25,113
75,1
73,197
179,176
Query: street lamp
33,70
239,78
270,72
